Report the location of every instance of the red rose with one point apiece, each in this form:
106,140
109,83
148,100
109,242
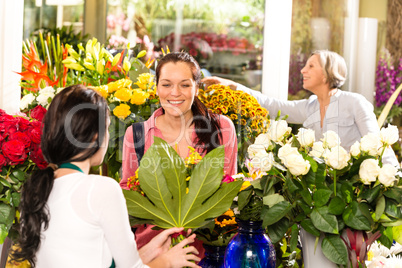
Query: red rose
37,157
23,123
8,125
38,113
35,131
3,161
14,151
22,137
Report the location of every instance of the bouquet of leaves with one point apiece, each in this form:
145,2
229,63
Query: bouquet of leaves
166,202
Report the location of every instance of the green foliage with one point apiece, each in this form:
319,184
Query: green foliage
166,203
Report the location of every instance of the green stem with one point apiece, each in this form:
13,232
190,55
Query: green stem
383,150
335,182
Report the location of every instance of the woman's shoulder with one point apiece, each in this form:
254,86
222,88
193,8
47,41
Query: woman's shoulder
224,121
103,182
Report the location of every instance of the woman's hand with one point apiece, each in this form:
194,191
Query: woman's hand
157,252
158,245
218,80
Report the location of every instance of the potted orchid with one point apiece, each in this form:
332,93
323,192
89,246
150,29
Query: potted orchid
331,189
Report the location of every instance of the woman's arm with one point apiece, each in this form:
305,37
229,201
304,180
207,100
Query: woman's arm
296,110
229,140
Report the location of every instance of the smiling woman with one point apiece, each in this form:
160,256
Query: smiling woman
348,114
183,121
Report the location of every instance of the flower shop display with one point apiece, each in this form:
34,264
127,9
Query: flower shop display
247,115
20,155
331,189
388,78
168,201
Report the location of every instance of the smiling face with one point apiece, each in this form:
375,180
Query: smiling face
313,74
176,89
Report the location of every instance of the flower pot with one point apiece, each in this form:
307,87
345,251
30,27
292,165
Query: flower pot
313,259
214,257
250,247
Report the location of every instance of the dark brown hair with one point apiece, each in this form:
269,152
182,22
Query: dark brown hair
206,123
73,130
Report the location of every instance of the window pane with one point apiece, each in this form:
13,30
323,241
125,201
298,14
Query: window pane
49,14
315,25
225,37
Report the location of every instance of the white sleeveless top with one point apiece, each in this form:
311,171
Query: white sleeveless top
88,225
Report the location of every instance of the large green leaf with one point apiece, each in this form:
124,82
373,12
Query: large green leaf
321,197
355,217
277,230
275,213
7,214
335,249
324,221
216,205
173,169
380,208
166,204
153,183
140,207
205,180
308,225
336,206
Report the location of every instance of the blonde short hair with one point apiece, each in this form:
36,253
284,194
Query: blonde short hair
334,67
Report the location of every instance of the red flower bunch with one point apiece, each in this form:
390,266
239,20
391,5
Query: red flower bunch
20,139
20,155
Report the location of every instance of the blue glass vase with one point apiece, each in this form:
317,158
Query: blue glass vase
214,257
250,247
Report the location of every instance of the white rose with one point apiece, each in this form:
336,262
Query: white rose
26,101
337,157
297,165
263,139
44,95
387,175
306,137
255,149
389,135
371,144
317,150
263,161
330,139
369,171
278,130
286,150
355,149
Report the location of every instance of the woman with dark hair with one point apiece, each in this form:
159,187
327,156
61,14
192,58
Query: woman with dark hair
182,121
72,219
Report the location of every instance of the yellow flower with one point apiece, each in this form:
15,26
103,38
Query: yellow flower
122,111
145,81
123,94
233,117
102,90
122,83
193,158
139,97
245,185
226,218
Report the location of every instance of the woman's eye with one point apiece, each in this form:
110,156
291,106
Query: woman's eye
165,85
186,85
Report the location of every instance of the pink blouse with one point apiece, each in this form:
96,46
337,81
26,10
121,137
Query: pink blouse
130,163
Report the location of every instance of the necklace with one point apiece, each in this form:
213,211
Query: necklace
71,166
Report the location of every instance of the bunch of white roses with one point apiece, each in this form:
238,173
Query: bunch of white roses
328,149
42,97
